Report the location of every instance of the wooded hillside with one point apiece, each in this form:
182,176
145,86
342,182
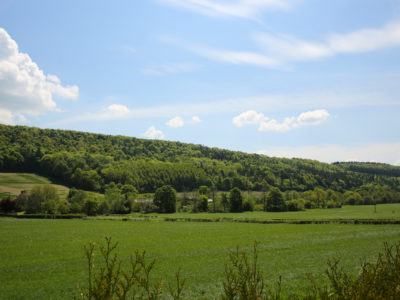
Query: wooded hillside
91,161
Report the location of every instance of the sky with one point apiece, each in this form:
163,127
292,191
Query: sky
286,78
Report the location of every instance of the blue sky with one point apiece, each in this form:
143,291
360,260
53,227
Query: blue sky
288,78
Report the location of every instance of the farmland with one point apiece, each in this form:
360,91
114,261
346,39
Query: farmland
44,259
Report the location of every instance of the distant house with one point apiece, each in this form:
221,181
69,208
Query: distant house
142,201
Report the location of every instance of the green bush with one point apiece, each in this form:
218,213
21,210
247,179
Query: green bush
244,280
113,282
375,281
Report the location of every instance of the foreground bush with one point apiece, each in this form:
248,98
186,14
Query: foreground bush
243,279
380,280
113,282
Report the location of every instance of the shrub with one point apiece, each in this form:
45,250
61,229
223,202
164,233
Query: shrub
8,205
380,280
243,279
113,282
248,205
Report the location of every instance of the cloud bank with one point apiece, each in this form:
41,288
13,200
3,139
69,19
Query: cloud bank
24,88
372,152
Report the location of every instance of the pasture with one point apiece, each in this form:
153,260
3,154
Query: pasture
383,211
44,259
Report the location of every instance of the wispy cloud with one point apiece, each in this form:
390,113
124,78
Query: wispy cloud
163,69
111,112
153,133
372,152
264,123
286,48
236,57
279,51
250,9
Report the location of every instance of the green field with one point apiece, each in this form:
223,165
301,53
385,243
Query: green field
44,259
14,183
383,211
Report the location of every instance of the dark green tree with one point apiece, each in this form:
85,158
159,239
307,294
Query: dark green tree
165,199
275,200
202,203
235,200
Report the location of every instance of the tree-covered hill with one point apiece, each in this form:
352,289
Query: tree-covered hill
91,161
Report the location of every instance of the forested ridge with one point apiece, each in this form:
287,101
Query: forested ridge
92,161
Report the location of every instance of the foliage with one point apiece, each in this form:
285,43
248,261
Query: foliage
201,204
204,190
244,280
42,198
235,200
375,281
275,200
90,206
112,282
8,205
165,199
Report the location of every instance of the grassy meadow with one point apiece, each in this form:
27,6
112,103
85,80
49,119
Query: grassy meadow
44,259
383,211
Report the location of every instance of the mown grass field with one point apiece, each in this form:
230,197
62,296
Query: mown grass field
14,183
44,259
383,211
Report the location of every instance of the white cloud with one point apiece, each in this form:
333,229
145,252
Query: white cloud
248,117
272,103
243,9
24,88
116,111
373,152
6,117
153,133
175,122
195,119
314,117
170,69
273,125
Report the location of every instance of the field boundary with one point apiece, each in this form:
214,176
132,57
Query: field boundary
353,221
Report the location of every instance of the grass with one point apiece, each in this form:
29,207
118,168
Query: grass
383,211
44,259
14,183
